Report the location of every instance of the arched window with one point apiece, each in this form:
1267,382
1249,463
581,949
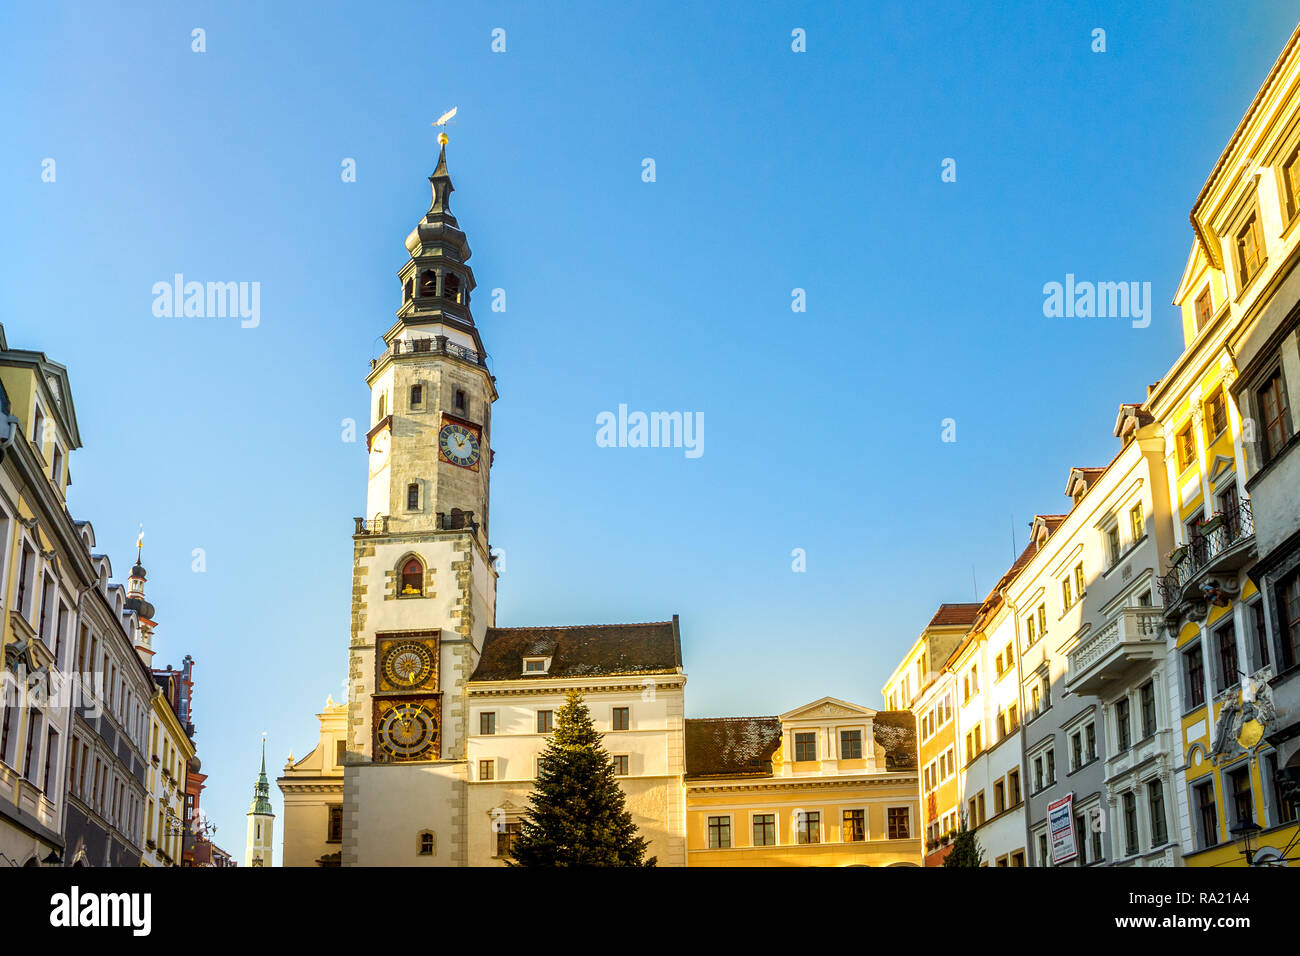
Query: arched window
451,287
383,406
413,577
425,846
408,290
428,283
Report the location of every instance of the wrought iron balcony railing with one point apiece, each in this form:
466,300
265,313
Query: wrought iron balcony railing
1216,536
432,345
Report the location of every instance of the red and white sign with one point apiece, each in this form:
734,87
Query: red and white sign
1060,827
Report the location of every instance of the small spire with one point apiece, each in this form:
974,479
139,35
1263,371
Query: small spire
442,187
262,791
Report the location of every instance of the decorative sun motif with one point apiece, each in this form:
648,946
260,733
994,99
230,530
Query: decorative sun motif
408,664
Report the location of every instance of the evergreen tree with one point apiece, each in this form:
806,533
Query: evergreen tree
966,850
577,815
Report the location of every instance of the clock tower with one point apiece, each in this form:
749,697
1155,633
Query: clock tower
423,587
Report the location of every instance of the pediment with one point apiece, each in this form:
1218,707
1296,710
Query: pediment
827,707
1222,465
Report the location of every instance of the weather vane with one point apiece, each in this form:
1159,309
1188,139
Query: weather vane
441,123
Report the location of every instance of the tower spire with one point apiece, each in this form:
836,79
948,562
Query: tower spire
261,820
262,790
135,601
442,188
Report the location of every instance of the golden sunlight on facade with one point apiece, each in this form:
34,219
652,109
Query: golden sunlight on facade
828,784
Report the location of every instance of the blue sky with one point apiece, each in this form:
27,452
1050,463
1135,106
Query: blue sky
775,170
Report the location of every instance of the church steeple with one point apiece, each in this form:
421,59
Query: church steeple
262,791
261,820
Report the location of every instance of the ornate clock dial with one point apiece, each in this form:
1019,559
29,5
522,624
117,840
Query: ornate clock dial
408,731
408,664
458,444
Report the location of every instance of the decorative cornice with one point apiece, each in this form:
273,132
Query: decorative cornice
735,785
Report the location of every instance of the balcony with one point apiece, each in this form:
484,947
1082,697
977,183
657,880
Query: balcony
455,520
1205,571
431,345
1132,637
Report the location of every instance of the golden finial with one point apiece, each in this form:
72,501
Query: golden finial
441,123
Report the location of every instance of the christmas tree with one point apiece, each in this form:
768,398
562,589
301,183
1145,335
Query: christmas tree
966,850
577,815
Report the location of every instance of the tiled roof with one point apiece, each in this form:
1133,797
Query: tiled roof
731,746
743,746
895,732
949,614
598,650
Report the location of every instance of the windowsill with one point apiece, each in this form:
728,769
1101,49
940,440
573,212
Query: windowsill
1254,277
1083,766
1123,556
1268,466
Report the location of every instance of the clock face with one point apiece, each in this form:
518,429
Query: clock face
408,732
459,445
379,449
408,664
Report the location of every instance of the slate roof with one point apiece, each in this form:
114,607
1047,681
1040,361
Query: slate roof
597,650
731,746
743,746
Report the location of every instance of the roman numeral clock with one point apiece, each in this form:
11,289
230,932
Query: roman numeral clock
407,705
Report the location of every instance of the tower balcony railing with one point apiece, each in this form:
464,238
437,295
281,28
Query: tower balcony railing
456,520
431,345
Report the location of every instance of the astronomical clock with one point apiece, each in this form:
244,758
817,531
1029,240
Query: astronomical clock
407,705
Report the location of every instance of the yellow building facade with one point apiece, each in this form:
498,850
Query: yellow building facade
313,795
1242,259
828,784
922,684
170,751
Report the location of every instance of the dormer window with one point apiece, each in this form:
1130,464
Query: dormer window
38,431
537,665
56,467
1250,249
1204,309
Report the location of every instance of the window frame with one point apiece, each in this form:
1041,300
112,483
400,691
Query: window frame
718,825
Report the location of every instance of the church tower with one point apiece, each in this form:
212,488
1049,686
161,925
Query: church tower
144,611
261,821
424,588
